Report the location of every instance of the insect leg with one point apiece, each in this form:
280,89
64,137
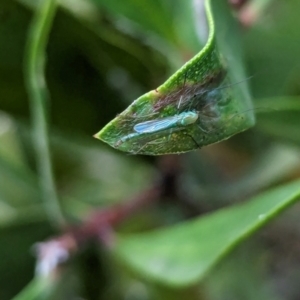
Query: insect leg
142,147
125,139
182,89
179,102
202,129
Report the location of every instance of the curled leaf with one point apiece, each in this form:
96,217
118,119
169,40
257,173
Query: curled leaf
204,102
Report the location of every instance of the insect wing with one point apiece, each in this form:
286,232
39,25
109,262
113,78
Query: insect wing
156,125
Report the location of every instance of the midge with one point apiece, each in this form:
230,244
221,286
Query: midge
177,122
183,119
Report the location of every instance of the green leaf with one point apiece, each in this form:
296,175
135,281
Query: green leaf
150,15
37,289
183,254
204,86
280,118
14,172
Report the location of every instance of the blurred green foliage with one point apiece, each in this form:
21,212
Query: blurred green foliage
101,55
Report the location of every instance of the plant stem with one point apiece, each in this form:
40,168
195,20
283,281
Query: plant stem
38,97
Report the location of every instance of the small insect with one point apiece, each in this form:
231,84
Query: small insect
183,119
176,123
160,127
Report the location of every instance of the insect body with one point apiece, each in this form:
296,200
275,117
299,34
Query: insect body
159,126
183,119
